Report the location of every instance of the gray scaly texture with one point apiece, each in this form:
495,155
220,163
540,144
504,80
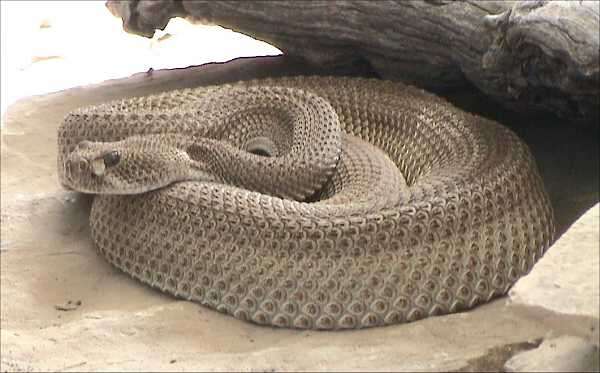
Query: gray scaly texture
309,202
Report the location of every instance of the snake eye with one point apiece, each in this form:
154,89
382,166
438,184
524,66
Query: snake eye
111,159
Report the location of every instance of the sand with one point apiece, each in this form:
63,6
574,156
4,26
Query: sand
64,308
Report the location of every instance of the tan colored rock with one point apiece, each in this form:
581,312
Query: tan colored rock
63,307
567,278
563,354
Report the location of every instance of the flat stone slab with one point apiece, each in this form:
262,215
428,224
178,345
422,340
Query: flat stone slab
563,354
63,307
566,279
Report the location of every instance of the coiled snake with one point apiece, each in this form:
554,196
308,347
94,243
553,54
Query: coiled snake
309,202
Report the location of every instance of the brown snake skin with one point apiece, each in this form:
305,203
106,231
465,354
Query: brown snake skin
461,218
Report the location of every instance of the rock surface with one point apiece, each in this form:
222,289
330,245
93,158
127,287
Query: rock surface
565,282
567,278
563,354
529,55
63,307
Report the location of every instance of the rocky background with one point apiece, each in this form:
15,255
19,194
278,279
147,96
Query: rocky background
64,308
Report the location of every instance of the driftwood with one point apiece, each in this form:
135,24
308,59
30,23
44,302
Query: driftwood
531,56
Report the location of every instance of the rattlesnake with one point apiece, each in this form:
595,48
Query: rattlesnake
365,202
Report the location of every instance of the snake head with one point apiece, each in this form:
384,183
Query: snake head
134,165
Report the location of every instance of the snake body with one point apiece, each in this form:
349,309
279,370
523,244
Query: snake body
376,203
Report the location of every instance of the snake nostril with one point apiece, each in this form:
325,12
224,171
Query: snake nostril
82,164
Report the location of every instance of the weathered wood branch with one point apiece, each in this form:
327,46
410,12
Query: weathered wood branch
531,56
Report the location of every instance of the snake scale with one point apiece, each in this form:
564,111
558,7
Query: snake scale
309,202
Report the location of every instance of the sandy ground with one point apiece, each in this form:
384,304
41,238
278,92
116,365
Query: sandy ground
65,309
